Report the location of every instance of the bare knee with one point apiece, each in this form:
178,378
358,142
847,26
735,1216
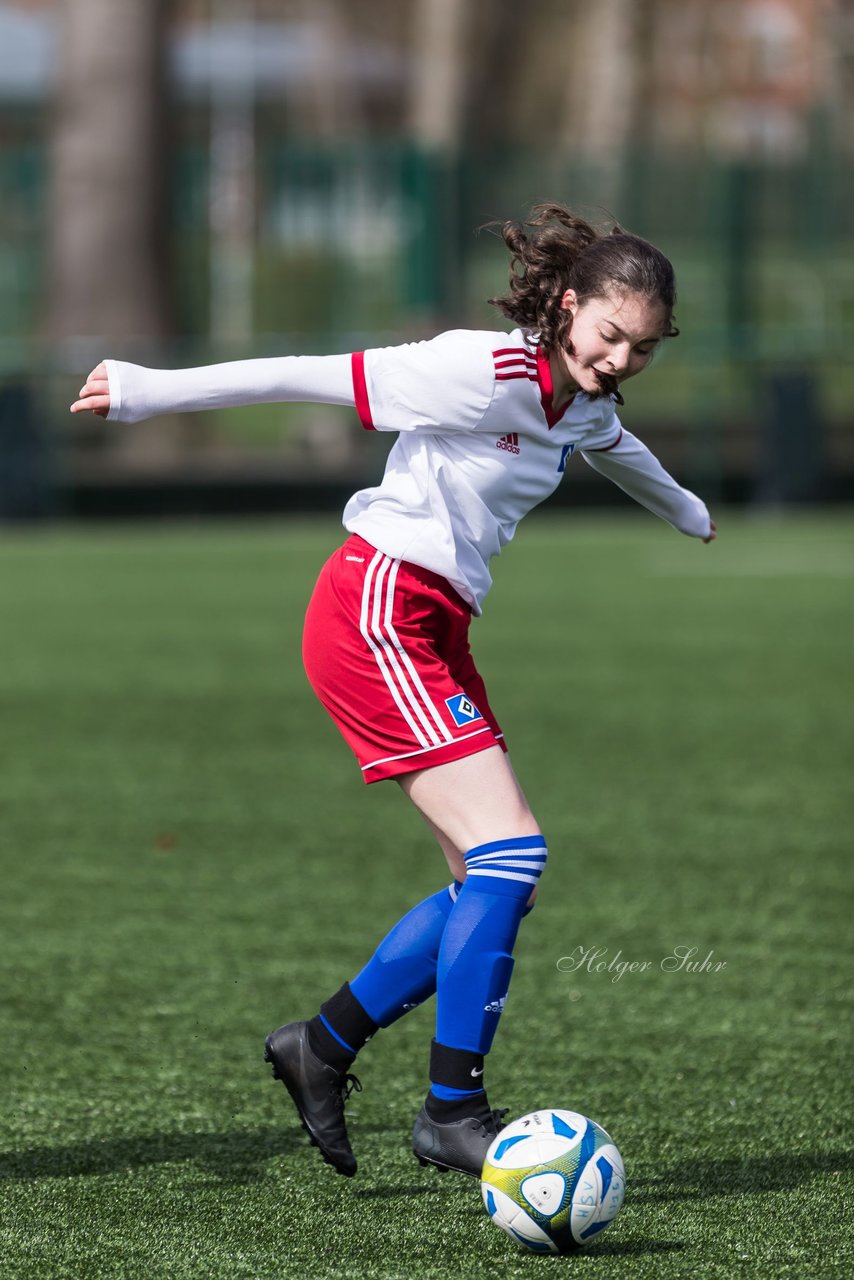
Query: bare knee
472,801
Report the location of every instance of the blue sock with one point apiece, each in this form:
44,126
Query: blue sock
476,953
402,971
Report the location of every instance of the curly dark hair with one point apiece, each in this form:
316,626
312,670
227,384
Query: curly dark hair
554,250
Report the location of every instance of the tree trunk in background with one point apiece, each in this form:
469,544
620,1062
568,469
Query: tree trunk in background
107,260
440,49
440,53
332,104
600,90
107,283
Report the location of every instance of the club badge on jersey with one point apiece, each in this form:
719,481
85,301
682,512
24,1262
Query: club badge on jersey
565,454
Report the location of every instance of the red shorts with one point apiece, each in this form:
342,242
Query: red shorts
386,650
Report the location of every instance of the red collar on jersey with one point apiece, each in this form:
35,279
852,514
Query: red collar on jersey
544,378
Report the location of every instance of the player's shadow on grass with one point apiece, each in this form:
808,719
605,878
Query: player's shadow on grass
230,1157
777,1171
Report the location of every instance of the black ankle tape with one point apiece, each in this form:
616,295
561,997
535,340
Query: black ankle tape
449,1111
455,1068
350,1021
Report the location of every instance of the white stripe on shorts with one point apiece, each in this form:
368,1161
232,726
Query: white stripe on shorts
416,679
407,755
378,654
397,668
391,647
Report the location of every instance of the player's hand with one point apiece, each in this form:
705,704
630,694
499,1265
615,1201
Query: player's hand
95,395
713,532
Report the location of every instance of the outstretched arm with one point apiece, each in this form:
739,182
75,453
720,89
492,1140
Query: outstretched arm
639,473
126,392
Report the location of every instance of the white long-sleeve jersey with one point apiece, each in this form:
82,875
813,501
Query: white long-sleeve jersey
479,440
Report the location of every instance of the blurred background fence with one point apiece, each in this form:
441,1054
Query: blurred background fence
208,181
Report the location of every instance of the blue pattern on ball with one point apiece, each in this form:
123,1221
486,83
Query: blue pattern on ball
504,1147
561,1128
607,1171
588,1146
534,1245
593,1230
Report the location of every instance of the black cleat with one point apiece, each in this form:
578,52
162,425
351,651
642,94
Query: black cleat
460,1145
318,1090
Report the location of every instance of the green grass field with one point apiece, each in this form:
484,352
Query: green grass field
188,857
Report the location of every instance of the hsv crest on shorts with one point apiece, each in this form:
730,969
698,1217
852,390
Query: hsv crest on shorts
462,709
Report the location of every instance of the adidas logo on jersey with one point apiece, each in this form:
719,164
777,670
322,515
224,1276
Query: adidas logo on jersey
495,1006
509,442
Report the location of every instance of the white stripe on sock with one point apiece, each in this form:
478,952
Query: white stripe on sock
505,875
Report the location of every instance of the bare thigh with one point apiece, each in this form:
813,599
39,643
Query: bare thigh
470,802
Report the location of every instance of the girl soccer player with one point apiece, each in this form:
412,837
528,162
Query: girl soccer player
486,424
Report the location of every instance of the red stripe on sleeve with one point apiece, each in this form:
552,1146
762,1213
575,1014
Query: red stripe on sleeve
516,363
360,390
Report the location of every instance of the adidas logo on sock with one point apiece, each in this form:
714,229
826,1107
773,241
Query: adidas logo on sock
510,442
495,1006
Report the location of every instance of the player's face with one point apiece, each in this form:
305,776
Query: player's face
612,339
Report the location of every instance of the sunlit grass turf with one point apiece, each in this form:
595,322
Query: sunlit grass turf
188,858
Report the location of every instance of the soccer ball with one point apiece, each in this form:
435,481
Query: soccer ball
553,1180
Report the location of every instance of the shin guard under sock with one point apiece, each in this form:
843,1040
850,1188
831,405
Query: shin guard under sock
475,956
402,971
